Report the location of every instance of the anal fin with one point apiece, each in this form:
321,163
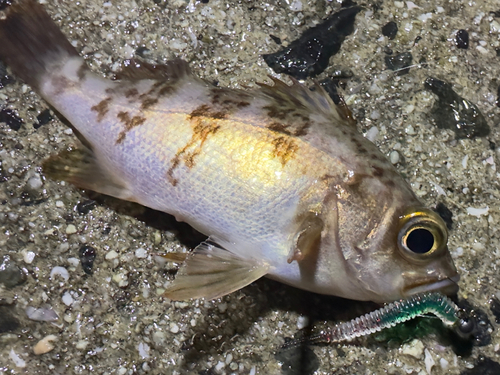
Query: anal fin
80,168
212,272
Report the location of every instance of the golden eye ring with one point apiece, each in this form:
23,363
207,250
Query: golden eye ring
422,234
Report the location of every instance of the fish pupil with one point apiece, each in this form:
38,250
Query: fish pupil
420,241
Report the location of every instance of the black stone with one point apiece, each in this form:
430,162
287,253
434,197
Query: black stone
451,111
400,62
275,38
84,207
462,39
299,360
11,119
483,366
445,214
87,257
495,308
481,335
390,29
8,321
309,55
204,1
4,4
43,118
142,51
10,274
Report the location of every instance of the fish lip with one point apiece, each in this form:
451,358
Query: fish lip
447,286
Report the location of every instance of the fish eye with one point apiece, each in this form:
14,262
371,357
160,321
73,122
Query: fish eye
422,234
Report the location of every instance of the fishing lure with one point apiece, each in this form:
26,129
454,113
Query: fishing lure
393,314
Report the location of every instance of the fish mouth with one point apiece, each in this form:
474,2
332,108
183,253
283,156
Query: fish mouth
447,286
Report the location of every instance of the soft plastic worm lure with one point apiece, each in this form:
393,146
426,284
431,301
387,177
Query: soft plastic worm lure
393,314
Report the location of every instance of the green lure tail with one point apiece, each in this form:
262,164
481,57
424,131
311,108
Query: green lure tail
393,314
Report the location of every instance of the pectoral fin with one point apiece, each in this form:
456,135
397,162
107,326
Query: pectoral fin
212,272
308,239
80,168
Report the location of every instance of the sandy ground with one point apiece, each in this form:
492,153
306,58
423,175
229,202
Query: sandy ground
114,321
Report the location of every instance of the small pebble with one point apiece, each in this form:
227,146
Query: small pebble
429,361
43,314
399,63
82,344
59,271
477,211
414,348
143,349
28,257
87,256
18,361
110,255
67,299
141,253
44,345
390,29
394,157
71,229
10,274
462,39
10,117
174,328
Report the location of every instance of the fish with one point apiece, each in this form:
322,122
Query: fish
278,177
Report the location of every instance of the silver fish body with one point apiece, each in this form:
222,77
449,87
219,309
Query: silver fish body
278,178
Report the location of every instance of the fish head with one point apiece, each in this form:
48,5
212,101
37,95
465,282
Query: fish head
404,253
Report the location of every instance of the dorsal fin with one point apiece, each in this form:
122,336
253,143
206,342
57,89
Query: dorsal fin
299,98
136,70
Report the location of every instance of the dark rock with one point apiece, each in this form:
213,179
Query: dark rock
10,117
497,102
275,38
84,207
445,214
390,29
495,308
299,360
400,62
309,55
8,321
4,4
142,51
462,39
10,274
481,335
87,257
454,112
43,118
483,366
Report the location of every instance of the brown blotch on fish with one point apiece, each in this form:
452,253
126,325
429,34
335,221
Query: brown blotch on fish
377,171
101,108
205,111
130,93
82,71
148,102
129,122
229,100
284,149
202,129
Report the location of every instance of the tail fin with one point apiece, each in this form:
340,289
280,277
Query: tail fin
31,43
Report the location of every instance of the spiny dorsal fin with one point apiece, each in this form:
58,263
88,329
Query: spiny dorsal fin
298,97
212,272
135,70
